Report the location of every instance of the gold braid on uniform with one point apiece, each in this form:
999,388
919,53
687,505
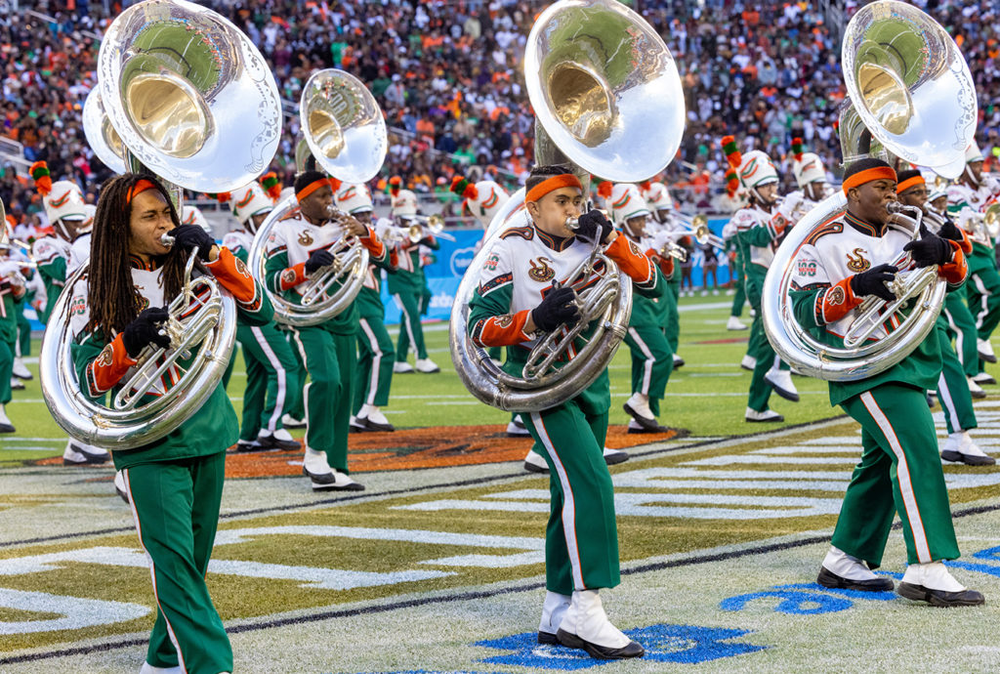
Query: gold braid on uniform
112,298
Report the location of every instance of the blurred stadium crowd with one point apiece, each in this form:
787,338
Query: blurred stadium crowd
447,74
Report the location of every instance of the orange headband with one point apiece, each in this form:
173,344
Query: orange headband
139,187
868,175
312,187
910,182
551,184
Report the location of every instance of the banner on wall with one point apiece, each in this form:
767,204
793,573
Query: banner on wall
454,257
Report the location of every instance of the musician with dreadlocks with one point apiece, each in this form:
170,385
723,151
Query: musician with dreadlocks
174,484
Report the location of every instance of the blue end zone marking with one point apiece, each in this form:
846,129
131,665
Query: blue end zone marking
663,643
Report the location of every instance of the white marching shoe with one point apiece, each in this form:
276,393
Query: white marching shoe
534,463
975,390
781,381
585,625
426,366
841,570
767,415
734,323
402,367
613,456
21,371
81,454
371,418
985,350
637,407
324,478
150,669
120,487
932,583
984,378
748,362
553,611
288,421
516,428
5,425
961,447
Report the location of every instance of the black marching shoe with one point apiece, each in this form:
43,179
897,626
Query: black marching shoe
940,597
632,650
829,579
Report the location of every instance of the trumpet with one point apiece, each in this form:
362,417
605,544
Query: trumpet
697,227
985,225
422,225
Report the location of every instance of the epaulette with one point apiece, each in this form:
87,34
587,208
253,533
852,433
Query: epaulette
527,232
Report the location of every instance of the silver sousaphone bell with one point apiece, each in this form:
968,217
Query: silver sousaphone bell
193,101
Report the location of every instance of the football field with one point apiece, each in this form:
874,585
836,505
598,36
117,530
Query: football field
438,565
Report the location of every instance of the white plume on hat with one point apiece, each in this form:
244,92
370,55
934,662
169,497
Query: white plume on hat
626,202
353,198
249,201
404,204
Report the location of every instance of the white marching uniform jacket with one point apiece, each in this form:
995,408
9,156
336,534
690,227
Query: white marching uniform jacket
964,201
751,223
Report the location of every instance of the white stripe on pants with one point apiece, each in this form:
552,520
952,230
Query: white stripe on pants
272,358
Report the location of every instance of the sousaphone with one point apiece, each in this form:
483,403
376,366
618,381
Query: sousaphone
912,99
194,102
345,133
607,97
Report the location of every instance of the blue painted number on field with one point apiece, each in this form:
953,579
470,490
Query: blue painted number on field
805,599
663,643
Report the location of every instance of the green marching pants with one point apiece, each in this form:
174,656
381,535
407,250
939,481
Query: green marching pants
672,319
375,360
330,360
740,296
8,346
176,509
296,408
652,360
900,471
581,539
760,390
953,387
410,330
23,332
963,327
272,377
983,292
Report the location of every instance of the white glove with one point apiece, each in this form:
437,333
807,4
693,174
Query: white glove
790,204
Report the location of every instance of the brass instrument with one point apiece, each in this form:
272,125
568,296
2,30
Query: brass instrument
101,134
609,102
345,133
912,99
182,87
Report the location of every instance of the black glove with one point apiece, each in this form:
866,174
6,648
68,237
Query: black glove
872,282
592,226
194,238
929,250
950,231
319,259
557,308
145,329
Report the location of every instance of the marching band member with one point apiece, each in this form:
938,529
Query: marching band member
900,471
174,484
406,286
12,292
272,371
759,228
956,311
652,359
952,386
966,200
296,251
68,214
810,176
514,304
376,356
730,202
662,207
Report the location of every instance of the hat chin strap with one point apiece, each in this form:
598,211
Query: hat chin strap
971,176
759,199
60,228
